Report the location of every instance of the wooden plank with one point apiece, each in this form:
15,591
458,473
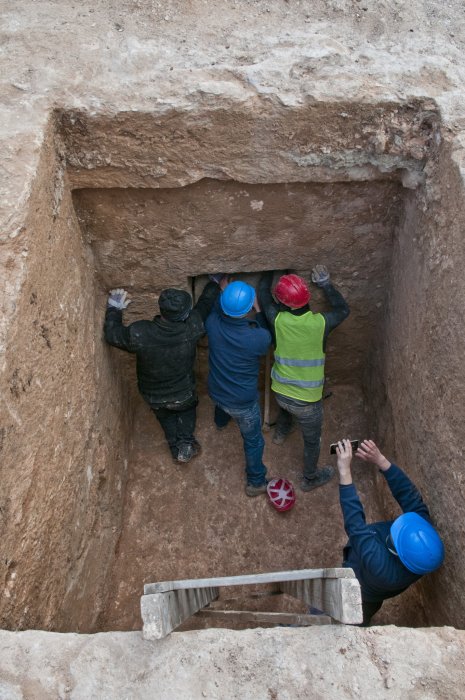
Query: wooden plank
163,612
273,577
338,597
273,618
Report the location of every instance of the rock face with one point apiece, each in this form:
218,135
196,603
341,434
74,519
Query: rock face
331,662
260,140
418,399
147,239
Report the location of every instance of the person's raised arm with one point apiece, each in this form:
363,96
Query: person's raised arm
265,298
210,294
362,540
339,307
344,459
115,333
361,535
402,489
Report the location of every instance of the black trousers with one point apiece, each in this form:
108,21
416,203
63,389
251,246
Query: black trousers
369,609
178,423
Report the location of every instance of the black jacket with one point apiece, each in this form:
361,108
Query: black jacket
165,350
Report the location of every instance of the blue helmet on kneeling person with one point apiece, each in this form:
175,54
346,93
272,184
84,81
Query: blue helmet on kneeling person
417,543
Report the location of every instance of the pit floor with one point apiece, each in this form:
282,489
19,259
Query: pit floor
195,521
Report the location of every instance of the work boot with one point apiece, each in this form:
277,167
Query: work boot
188,451
255,490
279,437
321,478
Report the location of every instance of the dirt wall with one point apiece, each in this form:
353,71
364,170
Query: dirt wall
145,240
64,437
419,384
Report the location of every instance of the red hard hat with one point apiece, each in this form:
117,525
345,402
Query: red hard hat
281,493
292,290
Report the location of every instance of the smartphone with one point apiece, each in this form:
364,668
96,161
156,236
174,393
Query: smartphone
332,448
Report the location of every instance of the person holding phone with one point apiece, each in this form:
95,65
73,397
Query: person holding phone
387,557
298,372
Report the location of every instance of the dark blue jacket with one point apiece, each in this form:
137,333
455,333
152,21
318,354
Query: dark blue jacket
235,346
380,573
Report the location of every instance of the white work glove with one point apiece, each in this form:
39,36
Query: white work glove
118,299
320,275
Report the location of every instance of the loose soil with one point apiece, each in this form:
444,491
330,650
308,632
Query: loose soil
195,521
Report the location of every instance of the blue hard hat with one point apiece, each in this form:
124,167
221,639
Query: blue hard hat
237,299
417,543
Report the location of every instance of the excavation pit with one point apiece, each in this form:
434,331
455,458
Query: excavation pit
146,201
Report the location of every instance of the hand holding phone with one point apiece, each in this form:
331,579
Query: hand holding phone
354,443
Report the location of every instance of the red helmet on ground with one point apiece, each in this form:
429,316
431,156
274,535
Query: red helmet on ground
281,494
293,291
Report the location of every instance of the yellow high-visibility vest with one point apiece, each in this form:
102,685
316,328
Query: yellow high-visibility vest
299,366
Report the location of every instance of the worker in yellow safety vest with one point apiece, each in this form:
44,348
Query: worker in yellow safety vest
298,371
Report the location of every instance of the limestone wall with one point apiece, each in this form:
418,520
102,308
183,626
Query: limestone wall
331,662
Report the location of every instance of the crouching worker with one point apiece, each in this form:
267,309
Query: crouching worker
387,557
236,343
165,349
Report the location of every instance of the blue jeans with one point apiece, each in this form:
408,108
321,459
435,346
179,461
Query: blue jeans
249,421
309,416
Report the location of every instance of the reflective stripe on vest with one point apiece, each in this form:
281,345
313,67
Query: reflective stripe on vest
299,363
298,371
296,382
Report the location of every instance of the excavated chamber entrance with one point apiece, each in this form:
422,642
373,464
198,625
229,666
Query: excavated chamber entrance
149,201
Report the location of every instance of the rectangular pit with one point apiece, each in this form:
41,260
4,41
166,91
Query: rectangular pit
366,189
